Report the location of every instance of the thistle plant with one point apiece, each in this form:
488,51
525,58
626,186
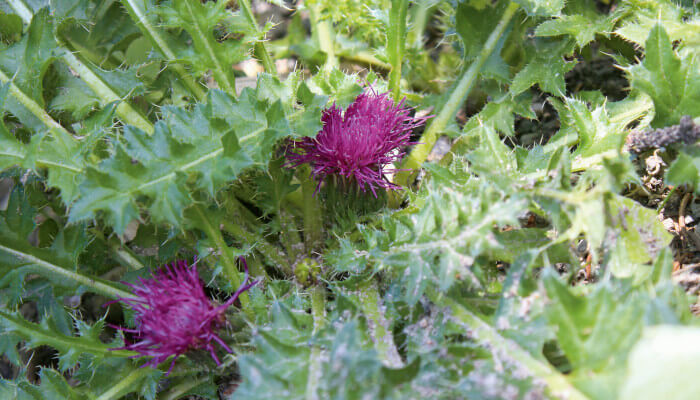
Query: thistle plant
359,145
173,315
513,244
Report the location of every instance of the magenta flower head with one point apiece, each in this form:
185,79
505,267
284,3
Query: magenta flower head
361,144
173,315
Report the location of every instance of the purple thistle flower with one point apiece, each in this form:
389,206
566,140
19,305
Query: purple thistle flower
173,314
360,144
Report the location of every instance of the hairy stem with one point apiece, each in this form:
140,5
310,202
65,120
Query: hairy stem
557,384
364,57
379,329
149,30
260,49
313,214
318,309
256,268
127,256
421,12
459,94
290,236
126,385
395,44
178,391
269,251
230,269
323,33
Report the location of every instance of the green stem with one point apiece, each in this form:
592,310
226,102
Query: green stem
395,44
126,256
295,199
178,391
41,162
312,212
32,106
256,268
39,335
370,302
668,196
269,251
459,94
235,208
324,35
126,385
365,57
230,270
43,267
260,49
557,384
318,309
290,236
421,11
157,41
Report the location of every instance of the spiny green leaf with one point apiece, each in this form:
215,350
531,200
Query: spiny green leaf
582,28
547,69
201,20
638,233
26,62
349,369
685,169
474,25
57,262
198,149
70,347
543,8
110,29
437,244
74,95
601,132
672,81
678,22
595,332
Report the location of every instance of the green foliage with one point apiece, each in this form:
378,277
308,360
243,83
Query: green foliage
528,261
547,69
680,23
200,21
53,387
597,331
57,262
197,149
685,169
71,348
672,80
26,63
437,243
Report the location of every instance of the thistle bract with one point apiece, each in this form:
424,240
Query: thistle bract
361,144
173,315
